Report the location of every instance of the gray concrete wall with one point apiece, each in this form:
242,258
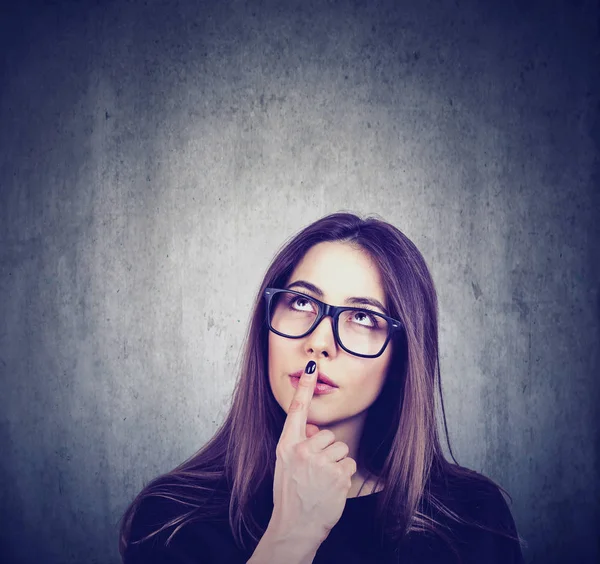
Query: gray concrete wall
155,155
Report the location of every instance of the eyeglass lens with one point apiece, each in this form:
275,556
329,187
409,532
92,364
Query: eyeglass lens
359,331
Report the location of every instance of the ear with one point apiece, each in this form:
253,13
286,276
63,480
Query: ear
311,430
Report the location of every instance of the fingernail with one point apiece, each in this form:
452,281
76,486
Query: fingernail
310,367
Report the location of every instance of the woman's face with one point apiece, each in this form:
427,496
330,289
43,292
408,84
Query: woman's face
340,271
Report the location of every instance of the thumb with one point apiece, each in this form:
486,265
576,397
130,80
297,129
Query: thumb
311,430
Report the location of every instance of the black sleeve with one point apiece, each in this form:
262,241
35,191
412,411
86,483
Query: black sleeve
492,510
151,514
147,553
195,543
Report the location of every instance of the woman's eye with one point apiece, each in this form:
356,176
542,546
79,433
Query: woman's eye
300,301
371,320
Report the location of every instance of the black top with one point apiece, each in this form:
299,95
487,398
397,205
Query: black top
353,540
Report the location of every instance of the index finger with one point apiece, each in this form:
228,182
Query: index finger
294,426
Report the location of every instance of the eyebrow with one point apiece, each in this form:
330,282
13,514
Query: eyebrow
355,300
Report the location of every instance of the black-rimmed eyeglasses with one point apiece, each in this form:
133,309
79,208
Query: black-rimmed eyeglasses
362,332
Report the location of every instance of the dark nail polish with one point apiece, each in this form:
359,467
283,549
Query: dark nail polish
310,367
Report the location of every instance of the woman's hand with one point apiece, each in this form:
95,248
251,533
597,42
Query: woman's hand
312,472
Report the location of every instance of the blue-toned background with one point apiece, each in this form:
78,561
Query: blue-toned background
155,155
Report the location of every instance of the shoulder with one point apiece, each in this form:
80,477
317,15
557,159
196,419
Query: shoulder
479,499
165,531
153,513
149,532
488,532
172,500
179,519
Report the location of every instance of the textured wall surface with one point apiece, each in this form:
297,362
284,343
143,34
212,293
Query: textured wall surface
155,155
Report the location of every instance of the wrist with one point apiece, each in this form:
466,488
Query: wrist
290,535
279,546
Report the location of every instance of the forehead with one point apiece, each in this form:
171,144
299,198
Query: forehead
340,271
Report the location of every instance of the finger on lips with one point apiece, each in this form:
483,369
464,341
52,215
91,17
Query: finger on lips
298,412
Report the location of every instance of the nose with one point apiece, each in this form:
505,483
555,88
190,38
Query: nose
322,339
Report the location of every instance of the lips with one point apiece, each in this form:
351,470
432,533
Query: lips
320,378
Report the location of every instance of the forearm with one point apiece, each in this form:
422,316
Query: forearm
275,548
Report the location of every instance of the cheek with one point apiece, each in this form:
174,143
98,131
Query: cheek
279,356
371,381
277,350
272,358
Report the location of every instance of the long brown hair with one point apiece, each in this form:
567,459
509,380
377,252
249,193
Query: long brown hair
399,447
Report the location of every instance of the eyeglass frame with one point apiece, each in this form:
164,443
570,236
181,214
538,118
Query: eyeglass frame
325,310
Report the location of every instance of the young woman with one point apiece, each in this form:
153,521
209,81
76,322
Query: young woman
330,451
